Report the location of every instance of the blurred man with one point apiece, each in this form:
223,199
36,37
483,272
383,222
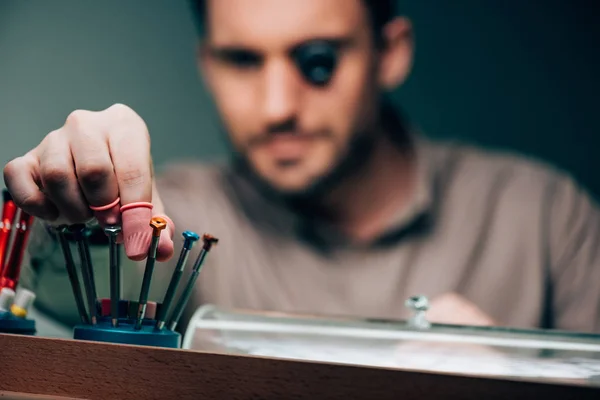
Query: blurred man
331,204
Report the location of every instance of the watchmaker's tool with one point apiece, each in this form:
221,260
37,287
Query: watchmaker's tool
115,273
23,300
135,322
72,273
9,212
12,269
157,224
317,61
14,309
419,305
190,238
80,232
7,297
14,233
209,242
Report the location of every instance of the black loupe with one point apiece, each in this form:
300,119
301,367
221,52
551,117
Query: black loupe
316,61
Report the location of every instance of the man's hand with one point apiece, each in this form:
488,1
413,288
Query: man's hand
454,309
92,160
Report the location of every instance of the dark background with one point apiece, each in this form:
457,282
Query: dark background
517,75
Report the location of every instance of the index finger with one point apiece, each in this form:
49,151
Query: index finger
129,147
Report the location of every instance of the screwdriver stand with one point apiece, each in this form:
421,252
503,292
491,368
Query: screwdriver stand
11,324
125,333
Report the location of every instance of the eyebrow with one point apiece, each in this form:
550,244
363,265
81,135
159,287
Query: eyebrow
224,50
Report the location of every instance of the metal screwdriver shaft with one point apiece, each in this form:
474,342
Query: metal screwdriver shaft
72,273
115,273
209,241
189,239
80,232
157,224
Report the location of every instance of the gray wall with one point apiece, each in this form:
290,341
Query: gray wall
511,74
57,56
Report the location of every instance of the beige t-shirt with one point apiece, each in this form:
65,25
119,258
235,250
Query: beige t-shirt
515,237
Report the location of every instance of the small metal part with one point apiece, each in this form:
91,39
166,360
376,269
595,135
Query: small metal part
72,273
419,305
189,239
115,273
158,225
80,233
23,300
209,242
7,297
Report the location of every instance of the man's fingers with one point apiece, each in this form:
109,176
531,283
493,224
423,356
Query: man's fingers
93,163
57,175
21,177
129,146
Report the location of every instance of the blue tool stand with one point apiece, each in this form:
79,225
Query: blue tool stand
11,324
126,333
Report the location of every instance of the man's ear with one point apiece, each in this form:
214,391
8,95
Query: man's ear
396,54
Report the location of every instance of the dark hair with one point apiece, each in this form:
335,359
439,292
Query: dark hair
380,12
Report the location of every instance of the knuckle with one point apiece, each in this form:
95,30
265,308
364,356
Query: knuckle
121,109
93,174
28,202
128,119
54,175
77,118
11,168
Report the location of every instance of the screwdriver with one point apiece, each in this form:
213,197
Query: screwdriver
115,273
209,241
72,273
80,232
190,238
12,270
9,212
157,224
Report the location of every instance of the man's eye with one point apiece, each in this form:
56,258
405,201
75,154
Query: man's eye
240,58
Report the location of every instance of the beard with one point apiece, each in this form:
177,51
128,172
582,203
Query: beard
349,161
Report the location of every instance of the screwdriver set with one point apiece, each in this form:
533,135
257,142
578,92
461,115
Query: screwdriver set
15,301
140,322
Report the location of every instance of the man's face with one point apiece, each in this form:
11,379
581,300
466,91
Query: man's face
291,132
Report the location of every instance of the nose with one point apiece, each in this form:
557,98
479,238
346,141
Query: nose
280,93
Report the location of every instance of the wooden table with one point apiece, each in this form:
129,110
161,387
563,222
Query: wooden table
42,368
